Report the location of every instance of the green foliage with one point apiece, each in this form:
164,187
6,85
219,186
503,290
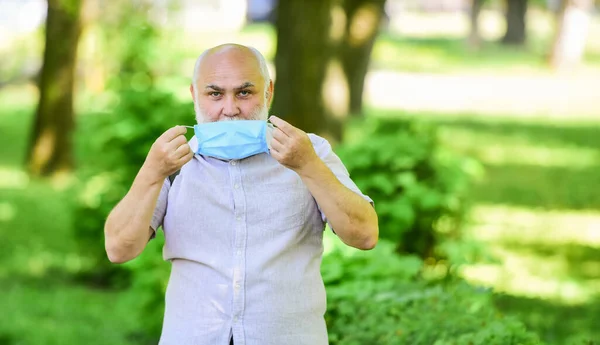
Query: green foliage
121,137
147,291
121,141
382,290
420,188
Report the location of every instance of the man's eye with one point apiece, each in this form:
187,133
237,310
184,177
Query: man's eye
215,94
244,93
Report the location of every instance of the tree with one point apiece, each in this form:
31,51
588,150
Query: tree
363,19
516,11
571,33
303,51
50,147
474,36
323,52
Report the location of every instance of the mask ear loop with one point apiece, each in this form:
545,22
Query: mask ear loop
192,127
269,135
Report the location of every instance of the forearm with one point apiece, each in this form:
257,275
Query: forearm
127,227
352,217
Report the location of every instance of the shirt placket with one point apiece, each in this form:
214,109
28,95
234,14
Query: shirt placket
239,251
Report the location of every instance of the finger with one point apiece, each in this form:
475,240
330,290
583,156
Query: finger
188,157
277,145
282,125
176,142
279,135
173,133
282,143
276,154
182,151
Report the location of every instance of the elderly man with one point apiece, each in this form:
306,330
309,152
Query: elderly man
244,236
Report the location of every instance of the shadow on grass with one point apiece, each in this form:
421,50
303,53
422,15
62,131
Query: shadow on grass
582,262
579,264
581,135
550,187
556,324
541,187
441,54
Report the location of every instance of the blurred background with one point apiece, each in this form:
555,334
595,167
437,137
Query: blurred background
473,124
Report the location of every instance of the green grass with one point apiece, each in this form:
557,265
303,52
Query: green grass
533,165
447,55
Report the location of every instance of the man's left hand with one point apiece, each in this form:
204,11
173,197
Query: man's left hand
291,146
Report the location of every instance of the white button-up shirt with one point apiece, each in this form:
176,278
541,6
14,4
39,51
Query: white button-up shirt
245,241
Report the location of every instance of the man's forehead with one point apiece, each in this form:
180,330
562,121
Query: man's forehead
230,66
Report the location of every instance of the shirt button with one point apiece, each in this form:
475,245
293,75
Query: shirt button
237,286
233,162
235,319
238,217
236,186
239,252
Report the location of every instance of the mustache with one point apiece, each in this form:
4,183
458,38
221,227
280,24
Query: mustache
261,113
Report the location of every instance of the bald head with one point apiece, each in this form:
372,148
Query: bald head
226,79
247,54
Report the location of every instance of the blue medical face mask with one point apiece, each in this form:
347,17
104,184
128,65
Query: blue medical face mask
232,139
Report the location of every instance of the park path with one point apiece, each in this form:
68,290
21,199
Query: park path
548,96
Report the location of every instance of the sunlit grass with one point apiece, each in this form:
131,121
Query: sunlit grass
527,226
444,55
543,254
517,148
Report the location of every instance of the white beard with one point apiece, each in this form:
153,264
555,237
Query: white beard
261,113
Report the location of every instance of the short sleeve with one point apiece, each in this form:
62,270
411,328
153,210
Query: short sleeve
161,207
334,163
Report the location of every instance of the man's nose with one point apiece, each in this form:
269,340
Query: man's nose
230,107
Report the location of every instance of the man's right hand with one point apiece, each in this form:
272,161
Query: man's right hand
168,154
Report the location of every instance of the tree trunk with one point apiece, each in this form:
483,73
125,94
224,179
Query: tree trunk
474,36
323,52
302,60
50,144
515,22
363,19
571,33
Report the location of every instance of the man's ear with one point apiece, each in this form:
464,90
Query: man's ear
269,93
192,92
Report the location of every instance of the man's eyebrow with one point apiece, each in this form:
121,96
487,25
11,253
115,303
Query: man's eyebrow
245,86
214,87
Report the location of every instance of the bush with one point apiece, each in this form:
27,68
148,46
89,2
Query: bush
120,141
420,189
147,290
377,298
